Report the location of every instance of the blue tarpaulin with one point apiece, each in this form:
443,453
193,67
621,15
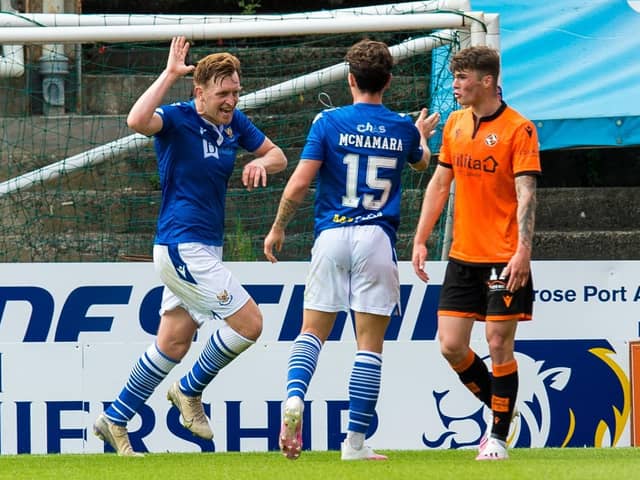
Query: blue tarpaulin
573,67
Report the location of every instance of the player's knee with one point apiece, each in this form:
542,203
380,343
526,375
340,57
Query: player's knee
448,342
453,351
173,348
247,321
254,326
249,325
500,346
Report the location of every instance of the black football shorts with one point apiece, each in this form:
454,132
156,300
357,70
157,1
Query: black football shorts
476,291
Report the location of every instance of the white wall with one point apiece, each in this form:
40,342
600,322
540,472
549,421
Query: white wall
70,333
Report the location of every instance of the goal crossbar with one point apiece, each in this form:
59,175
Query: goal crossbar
259,28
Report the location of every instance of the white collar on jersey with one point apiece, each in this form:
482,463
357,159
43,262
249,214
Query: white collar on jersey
217,128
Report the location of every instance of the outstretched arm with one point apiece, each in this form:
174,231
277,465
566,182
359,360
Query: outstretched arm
142,117
292,197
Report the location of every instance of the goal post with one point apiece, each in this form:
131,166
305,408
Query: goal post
77,185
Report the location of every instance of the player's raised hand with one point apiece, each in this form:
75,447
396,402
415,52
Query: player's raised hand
176,62
427,124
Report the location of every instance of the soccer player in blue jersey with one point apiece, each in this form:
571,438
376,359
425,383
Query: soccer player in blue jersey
196,144
356,154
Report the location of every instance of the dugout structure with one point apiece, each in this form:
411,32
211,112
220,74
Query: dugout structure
77,185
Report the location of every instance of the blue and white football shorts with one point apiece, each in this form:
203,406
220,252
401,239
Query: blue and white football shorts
354,268
196,280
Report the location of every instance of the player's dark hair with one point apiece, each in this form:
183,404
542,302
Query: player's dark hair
370,62
481,59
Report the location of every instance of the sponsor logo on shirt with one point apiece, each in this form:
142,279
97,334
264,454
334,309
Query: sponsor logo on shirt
209,149
359,218
488,164
367,127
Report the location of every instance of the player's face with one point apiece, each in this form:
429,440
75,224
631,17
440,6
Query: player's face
468,88
219,99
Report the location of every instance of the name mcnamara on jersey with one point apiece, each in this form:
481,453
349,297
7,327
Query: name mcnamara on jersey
370,141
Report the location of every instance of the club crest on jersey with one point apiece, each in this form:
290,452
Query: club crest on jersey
229,132
491,139
224,298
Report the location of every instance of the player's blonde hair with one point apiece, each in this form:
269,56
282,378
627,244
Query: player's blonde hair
215,66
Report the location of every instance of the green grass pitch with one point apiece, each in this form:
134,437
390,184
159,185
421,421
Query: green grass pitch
537,464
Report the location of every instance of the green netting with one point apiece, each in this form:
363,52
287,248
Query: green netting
106,211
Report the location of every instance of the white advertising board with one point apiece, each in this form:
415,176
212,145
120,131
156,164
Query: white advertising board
70,334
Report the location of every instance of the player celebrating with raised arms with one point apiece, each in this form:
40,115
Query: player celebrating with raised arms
492,153
356,154
196,144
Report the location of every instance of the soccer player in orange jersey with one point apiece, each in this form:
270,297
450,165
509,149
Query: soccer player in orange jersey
491,151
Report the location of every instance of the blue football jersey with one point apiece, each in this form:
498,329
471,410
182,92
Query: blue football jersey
195,161
363,149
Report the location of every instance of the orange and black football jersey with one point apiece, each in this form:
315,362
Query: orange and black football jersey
485,161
